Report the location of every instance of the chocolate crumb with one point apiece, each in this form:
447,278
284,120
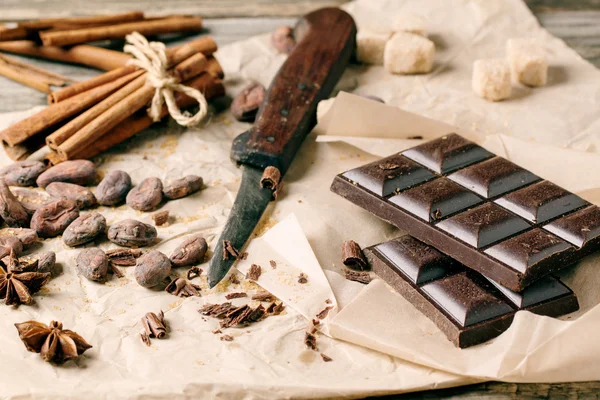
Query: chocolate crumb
244,255
278,309
324,313
263,295
217,331
233,278
352,255
328,301
273,264
326,358
160,218
229,250
254,272
194,272
226,338
358,276
310,340
302,278
145,338
236,295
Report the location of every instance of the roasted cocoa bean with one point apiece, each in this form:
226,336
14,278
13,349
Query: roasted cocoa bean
10,244
22,173
183,187
113,189
146,196
84,229
25,235
81,195
52,219
245,105
80,172
92,263
283,39
46,261
132,233
30,199
10,209
152,269
191,251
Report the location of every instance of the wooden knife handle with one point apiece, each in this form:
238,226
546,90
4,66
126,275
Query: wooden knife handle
325,41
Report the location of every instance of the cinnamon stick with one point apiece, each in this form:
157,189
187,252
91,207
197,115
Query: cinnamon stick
119,31
209,85
22,130
90,56
29,75
17,33
50,23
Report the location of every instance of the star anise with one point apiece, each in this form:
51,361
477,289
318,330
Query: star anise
17,287
54,343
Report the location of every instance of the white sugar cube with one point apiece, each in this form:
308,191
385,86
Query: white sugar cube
491,79
527,62
407,53
408,22
370,46
323,107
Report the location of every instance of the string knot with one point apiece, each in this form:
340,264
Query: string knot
152,57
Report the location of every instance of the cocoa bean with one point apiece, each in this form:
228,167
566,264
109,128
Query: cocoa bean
92,263
30,199
183,187
191,251
245,105
46,261
22,173
10,209
80,172
25,235
146,196
132,233
10,244
84,229
113,189
152,269
81,195
52,219
283,39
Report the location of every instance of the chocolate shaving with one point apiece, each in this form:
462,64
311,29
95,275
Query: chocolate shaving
270,178
254,272
237,317
275,309
161,217
302,278
123,257
116,271
273,264
263,295
244,255
226,338
326,358
352,255
182,288
145,338
256,314
194,272
310,340
236,295
154,326
216,310
324,313
232,316
358,276
229,251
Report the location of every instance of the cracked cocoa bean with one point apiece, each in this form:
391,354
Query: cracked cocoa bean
245,105
79,172
27,236
10,209
113,189
183,187
132,233
283,39
30,199
146,196
84,229
52,219
92,263
191,251
152,269
81,195
22,173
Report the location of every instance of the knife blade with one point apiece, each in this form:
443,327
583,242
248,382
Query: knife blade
325,42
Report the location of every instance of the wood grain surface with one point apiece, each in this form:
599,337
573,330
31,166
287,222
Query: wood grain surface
575,21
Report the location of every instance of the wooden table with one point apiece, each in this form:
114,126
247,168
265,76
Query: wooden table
575,21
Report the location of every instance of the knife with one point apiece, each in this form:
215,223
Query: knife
325,42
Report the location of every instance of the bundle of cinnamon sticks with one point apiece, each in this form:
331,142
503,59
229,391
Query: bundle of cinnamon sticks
89,117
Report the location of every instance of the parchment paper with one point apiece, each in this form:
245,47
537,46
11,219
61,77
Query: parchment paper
269,359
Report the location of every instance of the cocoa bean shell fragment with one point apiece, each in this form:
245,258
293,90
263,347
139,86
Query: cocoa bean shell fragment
10,209
246,104
152,269
132,233
191,251
79,172
81,195
52,219
92,263
84,229
22,173
146,196
113,189
183,187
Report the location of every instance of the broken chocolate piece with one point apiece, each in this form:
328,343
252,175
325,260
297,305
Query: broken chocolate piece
194,272
302,278
358,276
236,295
352,255
229,250
182,288
273,264
254,272
263,295
160,218
310,340
324,312
326,358
123,257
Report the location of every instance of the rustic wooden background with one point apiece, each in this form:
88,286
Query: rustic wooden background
575,21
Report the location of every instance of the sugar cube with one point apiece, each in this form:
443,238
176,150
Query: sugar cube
370,46
408,22
491,79
527,62
407,53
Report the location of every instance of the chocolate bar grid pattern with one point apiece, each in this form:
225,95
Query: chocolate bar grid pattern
469,308
490,214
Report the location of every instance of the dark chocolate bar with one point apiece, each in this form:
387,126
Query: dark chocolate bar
486,212
469,308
